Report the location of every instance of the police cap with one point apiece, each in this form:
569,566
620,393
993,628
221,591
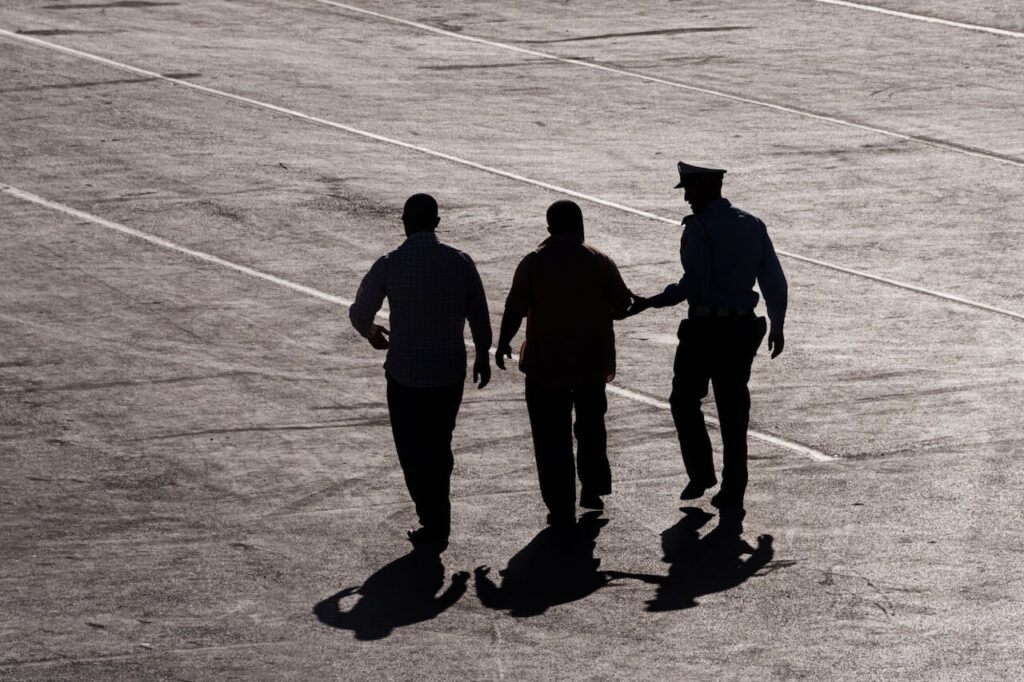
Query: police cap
694,175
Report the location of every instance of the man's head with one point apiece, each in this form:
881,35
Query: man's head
700,185
565,217
420,214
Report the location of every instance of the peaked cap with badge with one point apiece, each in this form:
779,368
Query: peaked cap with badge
693,175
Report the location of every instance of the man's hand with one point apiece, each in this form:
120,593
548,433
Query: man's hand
503,351
638,305
482,370
378,337
776,342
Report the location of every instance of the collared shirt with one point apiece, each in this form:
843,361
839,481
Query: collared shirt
432,289
723,277
569,292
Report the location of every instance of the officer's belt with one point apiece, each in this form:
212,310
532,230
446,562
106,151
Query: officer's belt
712,311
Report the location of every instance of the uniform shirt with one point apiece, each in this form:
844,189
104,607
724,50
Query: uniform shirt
432,289
740,253
568,291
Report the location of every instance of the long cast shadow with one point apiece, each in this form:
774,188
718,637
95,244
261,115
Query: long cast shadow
702,565
401,593
555,567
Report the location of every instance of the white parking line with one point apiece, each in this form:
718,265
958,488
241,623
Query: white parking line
163,243
487,169
888,132
336,300
921,17
765,437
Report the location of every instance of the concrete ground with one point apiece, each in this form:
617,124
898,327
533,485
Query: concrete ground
197,466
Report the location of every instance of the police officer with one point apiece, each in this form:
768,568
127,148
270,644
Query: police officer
723,251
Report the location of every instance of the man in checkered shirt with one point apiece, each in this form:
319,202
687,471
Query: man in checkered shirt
432,289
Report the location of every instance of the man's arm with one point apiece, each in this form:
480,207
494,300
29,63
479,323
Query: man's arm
479,326
517,305
775,290
619,295
369,299
672,295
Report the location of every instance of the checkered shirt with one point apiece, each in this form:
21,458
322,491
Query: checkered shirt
432,289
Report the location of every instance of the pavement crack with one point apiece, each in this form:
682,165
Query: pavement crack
636,34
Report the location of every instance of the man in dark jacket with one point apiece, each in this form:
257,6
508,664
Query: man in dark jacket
723,251
569,292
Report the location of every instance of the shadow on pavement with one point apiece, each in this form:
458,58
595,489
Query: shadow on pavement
555,567
402,593
702,565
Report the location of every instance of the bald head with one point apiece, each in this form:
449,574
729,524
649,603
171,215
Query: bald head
565,217
420,214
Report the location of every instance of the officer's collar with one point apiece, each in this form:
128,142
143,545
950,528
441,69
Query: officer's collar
720,202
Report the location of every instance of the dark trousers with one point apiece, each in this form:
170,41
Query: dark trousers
719,350
422,421
550,409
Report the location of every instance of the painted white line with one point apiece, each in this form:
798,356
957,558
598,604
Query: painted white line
766,437
332,124
919,139
324,296
487,169
922,17
662,405
157,241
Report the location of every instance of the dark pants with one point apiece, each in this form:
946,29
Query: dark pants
550,409
422,421
719,350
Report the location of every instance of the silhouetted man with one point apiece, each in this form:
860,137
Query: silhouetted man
569,292
432,289
723,251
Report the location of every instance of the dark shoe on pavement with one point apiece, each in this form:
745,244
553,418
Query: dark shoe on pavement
561,520
696,489
730,521
591,501
427,539
722,501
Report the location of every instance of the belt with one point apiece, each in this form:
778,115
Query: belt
712,311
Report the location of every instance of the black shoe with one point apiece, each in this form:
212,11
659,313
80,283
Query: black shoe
591,501
696,489
426,538
561,520
730,521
